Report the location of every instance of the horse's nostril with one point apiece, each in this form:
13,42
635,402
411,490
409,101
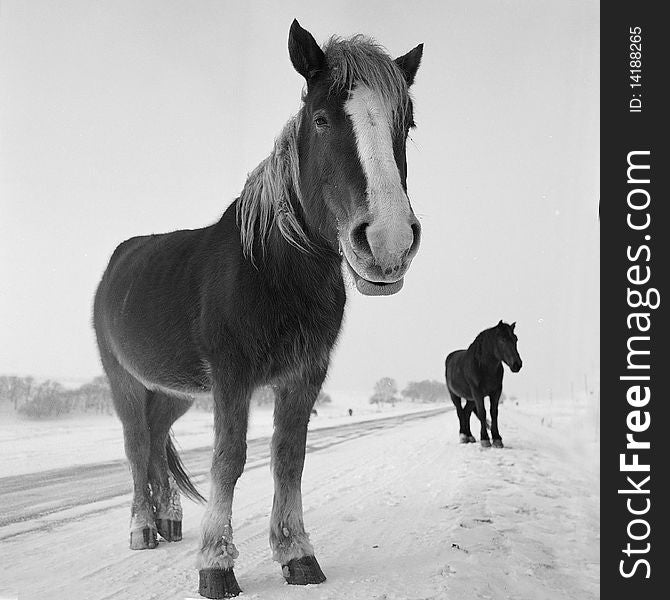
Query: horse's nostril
359,238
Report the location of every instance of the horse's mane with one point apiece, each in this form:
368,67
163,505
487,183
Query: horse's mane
266,198
481,346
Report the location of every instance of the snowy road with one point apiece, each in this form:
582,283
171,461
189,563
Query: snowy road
396,509
34,499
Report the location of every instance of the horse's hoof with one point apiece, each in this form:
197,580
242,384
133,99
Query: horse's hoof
218,583
143,539
302,571
471,439
498,444
169,530
486,443
463,438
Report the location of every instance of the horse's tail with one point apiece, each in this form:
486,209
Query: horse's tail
179,473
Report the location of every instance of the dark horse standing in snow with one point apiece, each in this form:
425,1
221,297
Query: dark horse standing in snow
258,299
477,372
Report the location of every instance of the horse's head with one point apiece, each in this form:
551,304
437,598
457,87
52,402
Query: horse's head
505,345
354,124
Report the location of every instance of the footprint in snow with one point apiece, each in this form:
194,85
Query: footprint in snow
446,571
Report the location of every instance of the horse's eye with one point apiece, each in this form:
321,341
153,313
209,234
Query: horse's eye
321,121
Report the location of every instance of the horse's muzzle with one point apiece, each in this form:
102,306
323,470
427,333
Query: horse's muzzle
516,366
378,255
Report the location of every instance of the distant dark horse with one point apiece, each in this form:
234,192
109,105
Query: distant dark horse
477,372
257,299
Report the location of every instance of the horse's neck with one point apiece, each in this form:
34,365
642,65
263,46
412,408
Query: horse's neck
295,268
483,355
489,362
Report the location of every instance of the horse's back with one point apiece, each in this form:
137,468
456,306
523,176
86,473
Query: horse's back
453,356
154,253
453,360
151,268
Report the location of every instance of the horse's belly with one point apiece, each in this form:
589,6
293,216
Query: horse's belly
159,353
156,366
461,392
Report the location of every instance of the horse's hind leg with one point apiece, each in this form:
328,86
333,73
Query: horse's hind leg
467,413
130,398
462,431
162,411
288,539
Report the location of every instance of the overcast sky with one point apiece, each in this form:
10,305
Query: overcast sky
121,118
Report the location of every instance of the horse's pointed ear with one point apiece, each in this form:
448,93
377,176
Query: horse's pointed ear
500,323
409,63
306,56
513,325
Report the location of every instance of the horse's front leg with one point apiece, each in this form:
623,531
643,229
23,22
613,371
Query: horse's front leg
217,552
495,434
288,539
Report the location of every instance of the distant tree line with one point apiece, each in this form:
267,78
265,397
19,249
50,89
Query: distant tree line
48,399
51,399
386,392
263,396
427,390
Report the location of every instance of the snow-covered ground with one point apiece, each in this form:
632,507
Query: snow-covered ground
401,513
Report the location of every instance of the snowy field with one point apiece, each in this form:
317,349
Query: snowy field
402,513
27,446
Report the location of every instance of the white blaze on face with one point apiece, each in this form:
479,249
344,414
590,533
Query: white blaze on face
371,120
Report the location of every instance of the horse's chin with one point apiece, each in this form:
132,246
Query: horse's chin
373,288
370,288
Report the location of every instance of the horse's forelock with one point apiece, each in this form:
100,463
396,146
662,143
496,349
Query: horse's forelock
360,59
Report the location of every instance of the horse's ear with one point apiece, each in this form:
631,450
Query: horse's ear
513,325
409,63
500,323
306,56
